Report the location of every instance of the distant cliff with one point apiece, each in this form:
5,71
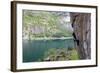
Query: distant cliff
37,24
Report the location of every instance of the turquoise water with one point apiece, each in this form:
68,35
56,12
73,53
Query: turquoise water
33,50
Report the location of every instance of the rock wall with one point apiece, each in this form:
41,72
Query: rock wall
81,24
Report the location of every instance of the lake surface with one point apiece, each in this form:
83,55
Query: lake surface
33,50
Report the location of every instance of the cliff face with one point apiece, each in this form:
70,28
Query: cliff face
82,33
46,24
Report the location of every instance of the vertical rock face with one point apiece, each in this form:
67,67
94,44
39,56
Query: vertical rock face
82,31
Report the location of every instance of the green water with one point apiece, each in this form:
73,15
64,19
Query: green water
33,50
